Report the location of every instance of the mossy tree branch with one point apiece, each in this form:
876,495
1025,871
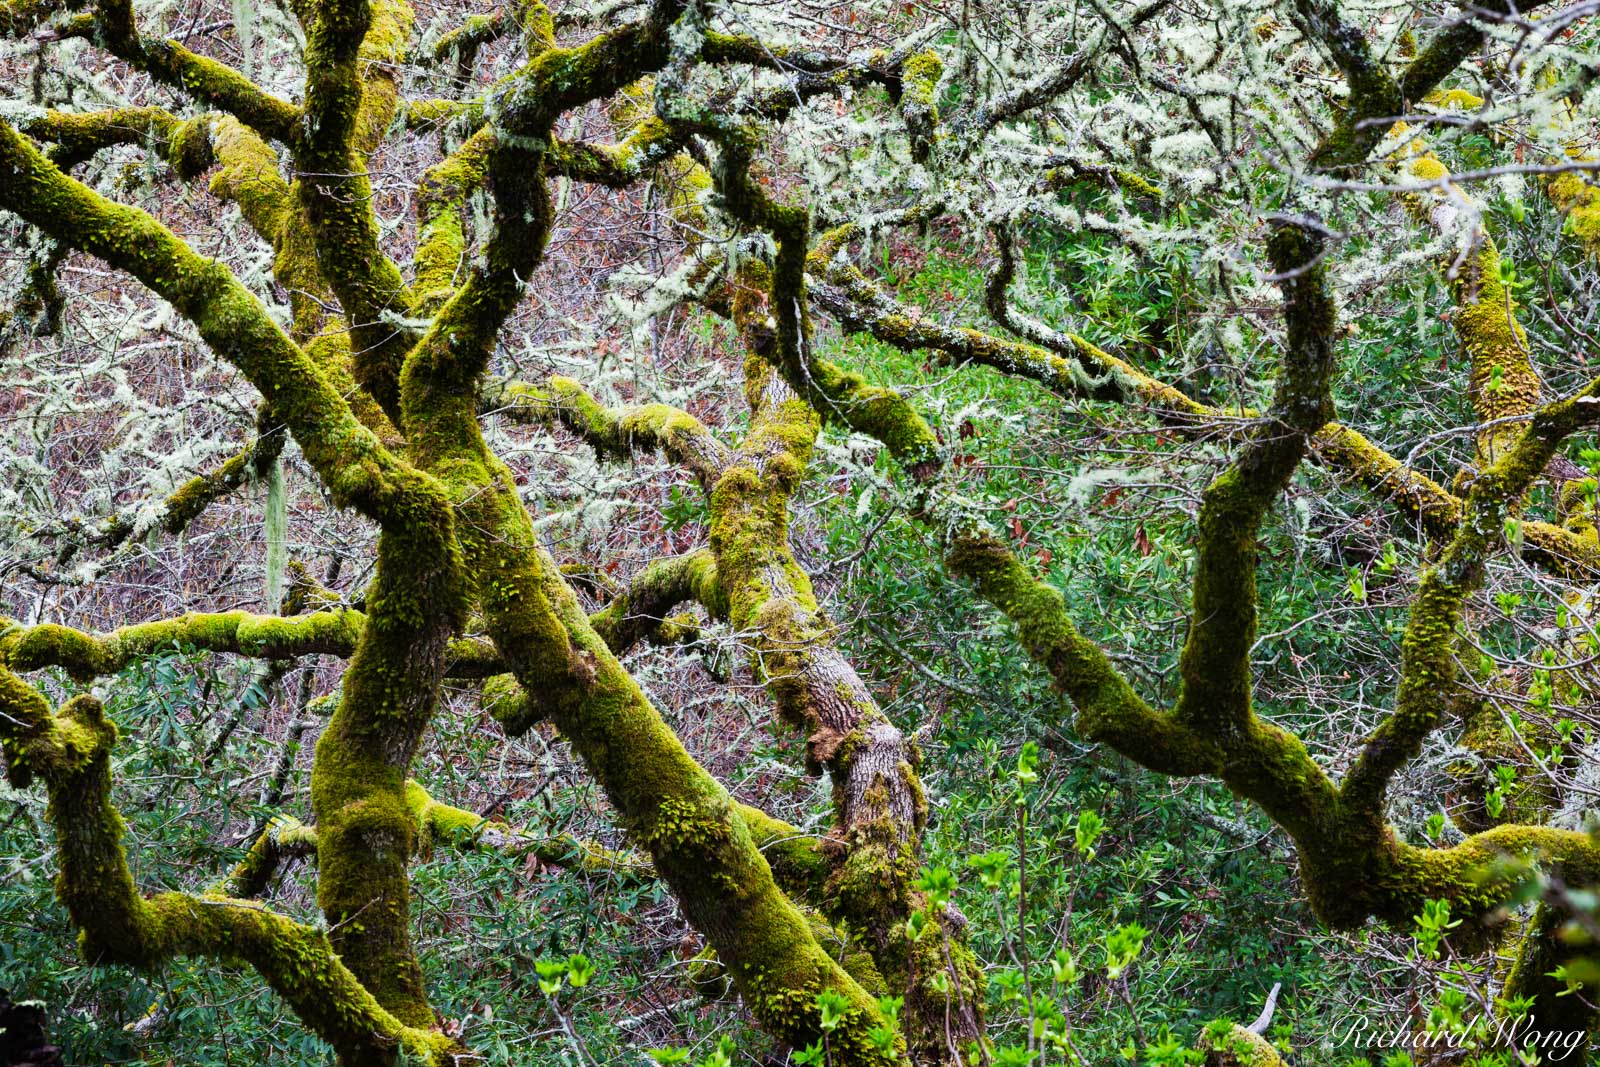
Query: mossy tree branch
79,135
640,612
69,751
1373,93
1215,664
617,432
86,656
1454,44
214,84
1502,383
345,111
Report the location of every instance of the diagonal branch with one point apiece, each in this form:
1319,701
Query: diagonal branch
214,84
1428,665
861,306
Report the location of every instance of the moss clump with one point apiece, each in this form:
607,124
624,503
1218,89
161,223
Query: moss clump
919,86
1502,381
1239,1048
1579,200
189,150
1455,100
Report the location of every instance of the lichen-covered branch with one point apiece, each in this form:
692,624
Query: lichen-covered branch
437,821
441,236
613,431
861,306
1502,383
214,84
1578,198
89,656
1453,44
181,507
350,459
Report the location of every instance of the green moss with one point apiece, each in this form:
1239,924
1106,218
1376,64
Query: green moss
698,844
1547,943
1240,1048
383,50
345,41
1502,381
1455,100
473,33
78,135
441,235
617,431
641,611
1579,200
89,656
1107,708
189,150
919,85
283,837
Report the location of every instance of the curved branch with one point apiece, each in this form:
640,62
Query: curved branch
612,431
348,457
640,611
1454,44
214,84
